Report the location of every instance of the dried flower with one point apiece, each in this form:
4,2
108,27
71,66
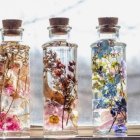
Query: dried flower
69,76
54,119
70,69
108,80
9,122
9,89
63,83
72,63
53,115
1,68
14,67
57,72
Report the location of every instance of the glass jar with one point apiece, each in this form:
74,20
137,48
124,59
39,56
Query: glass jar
14,82
109,80
60,81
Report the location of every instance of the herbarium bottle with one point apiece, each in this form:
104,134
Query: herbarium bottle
14,81
60,81
109,80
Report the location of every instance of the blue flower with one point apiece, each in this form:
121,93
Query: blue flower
112,91
100,55
101,104
95,50
117,78
103,48
123,101
120,128
113,112
104,45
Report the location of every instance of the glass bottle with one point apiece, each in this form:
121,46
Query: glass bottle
109,80
14,81
60,81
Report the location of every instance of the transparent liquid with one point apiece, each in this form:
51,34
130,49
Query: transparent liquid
109,87
60,89
14,90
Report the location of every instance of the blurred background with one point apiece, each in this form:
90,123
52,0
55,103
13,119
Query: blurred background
83,16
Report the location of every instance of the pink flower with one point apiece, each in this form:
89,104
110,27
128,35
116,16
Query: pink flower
12,123
9,122
53,117
9,89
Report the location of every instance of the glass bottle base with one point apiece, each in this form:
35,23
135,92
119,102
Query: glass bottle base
11,134
108,134
64,133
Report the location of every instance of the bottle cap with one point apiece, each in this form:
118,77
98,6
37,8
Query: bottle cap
108,24
59,25
59,21
11,26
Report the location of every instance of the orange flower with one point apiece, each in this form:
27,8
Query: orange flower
53,119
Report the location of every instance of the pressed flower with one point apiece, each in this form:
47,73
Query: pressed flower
13,84
9,89
119,128
54,119
59,84
108,74
1,68
9,122
57,72
53,115
70,69
72,63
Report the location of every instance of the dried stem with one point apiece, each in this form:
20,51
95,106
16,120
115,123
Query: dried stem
25,83
63,113
68,119
9,107
63,82
113,122
4,74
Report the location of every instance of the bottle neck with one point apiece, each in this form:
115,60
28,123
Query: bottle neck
59,36
114,35
11,35
108,32
59,33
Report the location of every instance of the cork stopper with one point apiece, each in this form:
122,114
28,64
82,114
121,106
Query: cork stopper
11,26
59,21
108,24
59,25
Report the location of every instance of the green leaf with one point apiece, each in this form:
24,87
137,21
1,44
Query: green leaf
115,64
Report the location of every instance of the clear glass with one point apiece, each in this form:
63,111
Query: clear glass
109,85
60,87
14,87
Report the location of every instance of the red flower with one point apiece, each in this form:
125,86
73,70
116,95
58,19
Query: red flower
70,69
61,66
57,72
72,63
74,79
69,76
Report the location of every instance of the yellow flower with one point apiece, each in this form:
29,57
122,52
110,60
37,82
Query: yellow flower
53,119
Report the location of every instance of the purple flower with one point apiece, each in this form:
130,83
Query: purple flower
123,68
119,128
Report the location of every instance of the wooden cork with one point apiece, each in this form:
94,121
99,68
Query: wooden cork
59,21
59,25
11,26
107,24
